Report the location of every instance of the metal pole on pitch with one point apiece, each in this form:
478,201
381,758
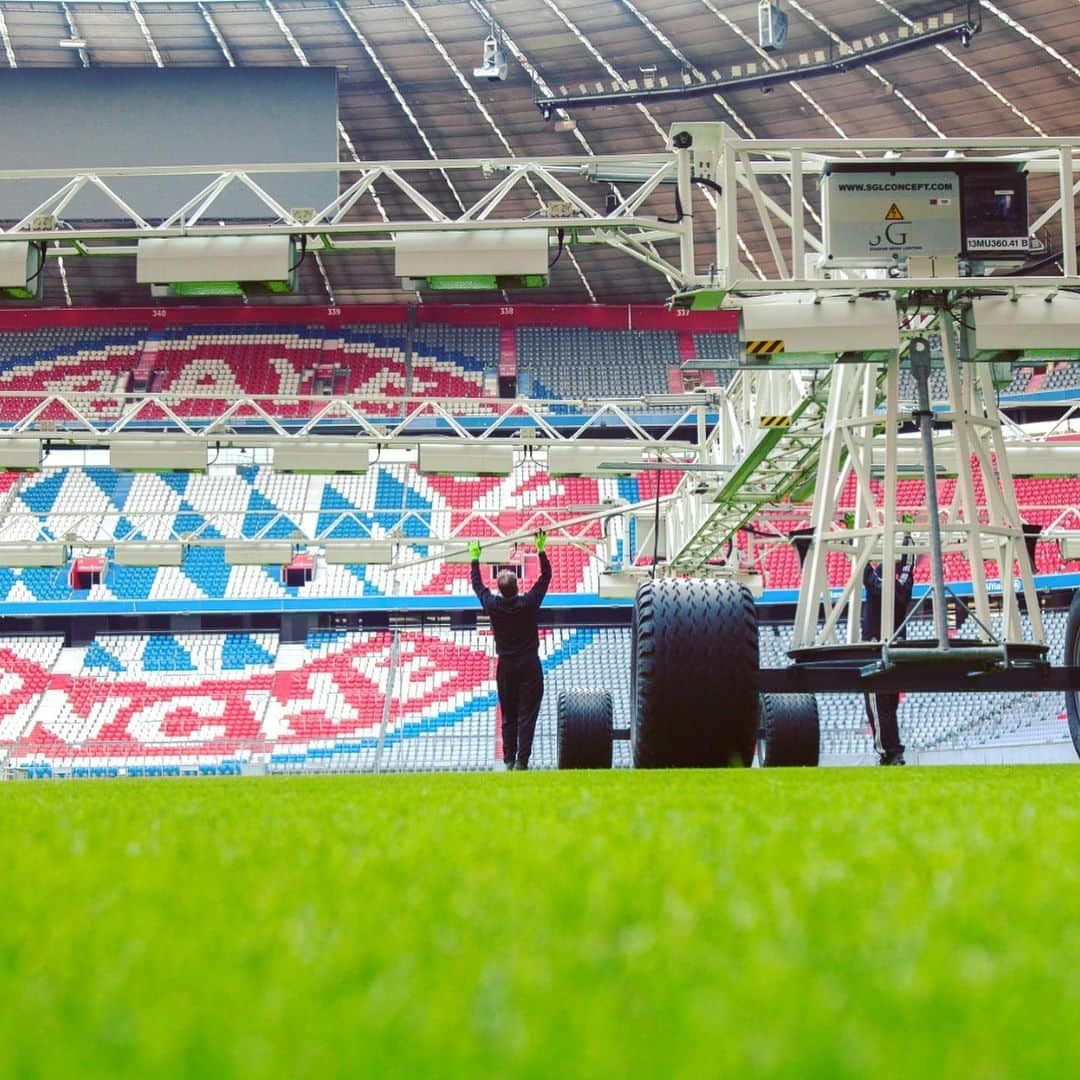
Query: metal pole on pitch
919,355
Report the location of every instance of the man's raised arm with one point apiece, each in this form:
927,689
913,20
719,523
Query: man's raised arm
539,590
481,590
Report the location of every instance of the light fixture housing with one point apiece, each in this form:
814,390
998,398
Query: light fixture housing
494,67
217,265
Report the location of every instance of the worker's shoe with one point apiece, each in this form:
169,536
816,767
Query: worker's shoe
895,757
521,767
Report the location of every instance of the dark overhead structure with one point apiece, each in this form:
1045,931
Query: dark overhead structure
407,91
834,59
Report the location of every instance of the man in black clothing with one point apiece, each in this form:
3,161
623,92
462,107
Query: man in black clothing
881,709
519,677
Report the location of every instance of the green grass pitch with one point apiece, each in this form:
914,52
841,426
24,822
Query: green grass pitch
918,922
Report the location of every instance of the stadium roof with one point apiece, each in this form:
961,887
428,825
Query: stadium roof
407,89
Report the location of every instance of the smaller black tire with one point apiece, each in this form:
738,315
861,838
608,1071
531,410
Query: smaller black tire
585,729
1072,659
790,730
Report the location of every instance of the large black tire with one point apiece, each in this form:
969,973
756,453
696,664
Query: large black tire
584,729
790,730
1072,659
694,688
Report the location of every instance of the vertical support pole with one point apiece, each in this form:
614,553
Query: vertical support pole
892,426
1008,494
861,447
814,587
410,334
960,407
1068,213
798,226
727,239
919,351
702,436
391,679
686,199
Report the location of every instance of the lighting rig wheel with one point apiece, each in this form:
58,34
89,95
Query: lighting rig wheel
790,732
1072,659
694,678
584,728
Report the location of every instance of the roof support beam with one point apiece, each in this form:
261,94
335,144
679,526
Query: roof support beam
218,36
954,59
869,68
398,96
151,44
6,38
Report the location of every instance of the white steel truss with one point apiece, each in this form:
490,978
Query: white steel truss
735,170
98,418
987,533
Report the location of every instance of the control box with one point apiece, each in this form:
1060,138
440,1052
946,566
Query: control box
882,214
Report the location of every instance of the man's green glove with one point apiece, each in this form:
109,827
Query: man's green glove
474,549
541,540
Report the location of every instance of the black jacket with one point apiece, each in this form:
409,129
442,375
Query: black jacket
903,583
514,621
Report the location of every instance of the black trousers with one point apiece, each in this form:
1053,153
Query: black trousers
881,711
520,680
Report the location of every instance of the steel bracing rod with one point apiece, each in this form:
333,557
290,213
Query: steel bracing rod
571,530
101,527
960,389
133,415
844,391
525,535
1005,492
920,370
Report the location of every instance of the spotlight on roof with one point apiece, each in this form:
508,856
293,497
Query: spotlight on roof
494,66
772,25
72,43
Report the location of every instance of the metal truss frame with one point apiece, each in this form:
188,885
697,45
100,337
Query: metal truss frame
90,531
739,165
711,153
93,418
334,228
988,534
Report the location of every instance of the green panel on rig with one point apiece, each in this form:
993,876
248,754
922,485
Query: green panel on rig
206,288
484,282
463,282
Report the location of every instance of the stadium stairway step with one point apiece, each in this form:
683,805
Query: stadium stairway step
313,497
70,661
124,480
291,657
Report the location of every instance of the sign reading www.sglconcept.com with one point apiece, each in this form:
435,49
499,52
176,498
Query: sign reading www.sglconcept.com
873,217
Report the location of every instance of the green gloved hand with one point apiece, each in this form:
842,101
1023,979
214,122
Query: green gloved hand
541,540
474,549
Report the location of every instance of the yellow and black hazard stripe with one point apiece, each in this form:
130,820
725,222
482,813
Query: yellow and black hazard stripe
775,421
763,348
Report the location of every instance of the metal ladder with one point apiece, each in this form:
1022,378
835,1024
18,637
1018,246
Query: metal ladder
781,465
